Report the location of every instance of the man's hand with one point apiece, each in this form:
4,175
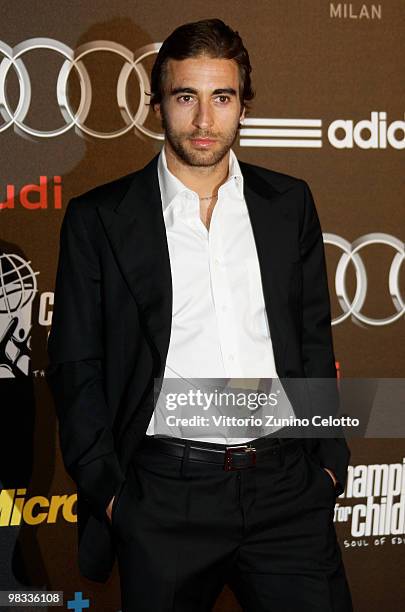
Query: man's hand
331,474
109,508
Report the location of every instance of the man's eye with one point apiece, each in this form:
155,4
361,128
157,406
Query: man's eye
223,99
185,98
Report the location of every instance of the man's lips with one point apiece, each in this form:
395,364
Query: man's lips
203,142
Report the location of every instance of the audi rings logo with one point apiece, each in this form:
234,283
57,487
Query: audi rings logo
257,132
351,254
13,57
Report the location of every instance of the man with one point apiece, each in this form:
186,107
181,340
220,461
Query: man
196,266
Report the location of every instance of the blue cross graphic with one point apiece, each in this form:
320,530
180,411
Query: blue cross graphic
78,604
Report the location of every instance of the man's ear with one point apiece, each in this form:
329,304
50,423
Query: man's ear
157,111
241,118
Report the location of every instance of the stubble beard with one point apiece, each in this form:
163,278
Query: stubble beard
193,157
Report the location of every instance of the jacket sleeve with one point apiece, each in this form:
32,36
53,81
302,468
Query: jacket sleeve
317,343
75,368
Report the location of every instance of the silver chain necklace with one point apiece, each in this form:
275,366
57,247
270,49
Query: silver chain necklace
209,197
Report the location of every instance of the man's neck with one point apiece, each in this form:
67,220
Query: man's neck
204,180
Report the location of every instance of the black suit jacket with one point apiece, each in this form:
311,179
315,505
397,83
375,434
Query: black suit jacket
112,321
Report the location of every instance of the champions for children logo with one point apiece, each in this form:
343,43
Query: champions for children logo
373,505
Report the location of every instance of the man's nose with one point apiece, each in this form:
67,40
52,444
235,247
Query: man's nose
203,118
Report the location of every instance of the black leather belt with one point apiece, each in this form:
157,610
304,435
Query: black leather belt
233,457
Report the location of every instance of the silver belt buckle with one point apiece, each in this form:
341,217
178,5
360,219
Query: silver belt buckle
230,450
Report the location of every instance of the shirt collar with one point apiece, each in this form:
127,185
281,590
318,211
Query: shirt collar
171,186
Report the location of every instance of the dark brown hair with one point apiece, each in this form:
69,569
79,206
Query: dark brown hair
210,37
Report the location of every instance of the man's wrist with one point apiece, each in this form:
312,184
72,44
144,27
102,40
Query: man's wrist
109,507
332,475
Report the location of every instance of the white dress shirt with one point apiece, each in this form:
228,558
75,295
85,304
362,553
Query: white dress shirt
219,320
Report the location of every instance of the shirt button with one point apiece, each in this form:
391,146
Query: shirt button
224,308
231,357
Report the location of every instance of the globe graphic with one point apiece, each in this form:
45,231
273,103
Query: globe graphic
18,283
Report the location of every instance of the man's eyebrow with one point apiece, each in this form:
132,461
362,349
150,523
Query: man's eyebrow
223,90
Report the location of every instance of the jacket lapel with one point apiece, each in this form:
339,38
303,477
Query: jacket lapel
137,234
271,229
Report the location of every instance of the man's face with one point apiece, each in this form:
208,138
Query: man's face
201,108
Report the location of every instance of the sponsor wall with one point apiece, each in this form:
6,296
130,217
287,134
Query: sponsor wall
73,114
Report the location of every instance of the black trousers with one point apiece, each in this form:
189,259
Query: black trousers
183,529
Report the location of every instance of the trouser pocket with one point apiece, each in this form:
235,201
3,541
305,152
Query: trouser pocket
322,475
116,503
